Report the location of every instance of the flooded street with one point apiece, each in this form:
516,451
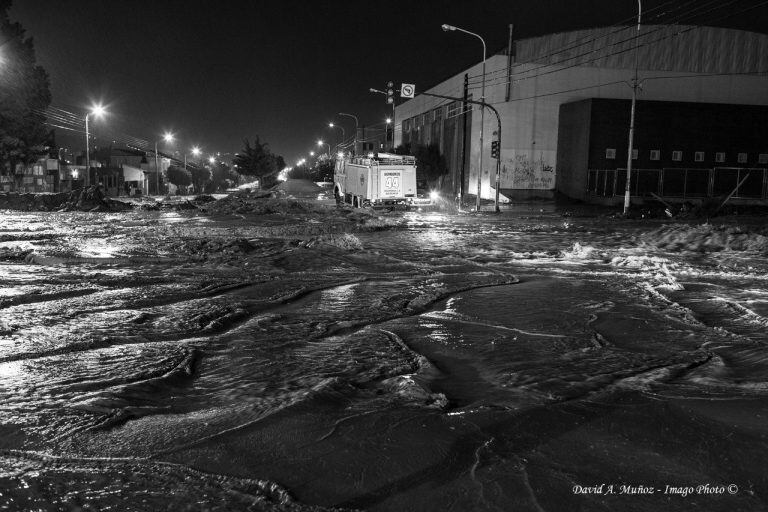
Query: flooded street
154,360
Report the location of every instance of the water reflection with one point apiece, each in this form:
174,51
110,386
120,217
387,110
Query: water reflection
156,336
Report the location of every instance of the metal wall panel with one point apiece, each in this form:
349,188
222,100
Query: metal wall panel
662,47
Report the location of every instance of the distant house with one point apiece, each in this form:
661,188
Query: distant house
41,176
121,171
124,171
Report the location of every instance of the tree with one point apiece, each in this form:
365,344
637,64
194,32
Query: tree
24,96
279,163
201,176
430,162
324,170
179,176
258,161
301,172
222,178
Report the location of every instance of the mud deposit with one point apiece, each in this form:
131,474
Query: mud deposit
301,358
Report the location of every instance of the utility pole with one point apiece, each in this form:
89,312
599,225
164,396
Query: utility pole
510,59
447,28
464,107
632,114
495,147
354,152
87,177
157,170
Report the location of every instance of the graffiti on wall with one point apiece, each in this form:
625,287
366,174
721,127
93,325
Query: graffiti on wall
519,170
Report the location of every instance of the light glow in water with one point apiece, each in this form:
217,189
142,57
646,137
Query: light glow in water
448,346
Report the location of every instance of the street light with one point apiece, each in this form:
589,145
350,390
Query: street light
211,160
320,143
355,118
451,28
167,137
343,135
98,111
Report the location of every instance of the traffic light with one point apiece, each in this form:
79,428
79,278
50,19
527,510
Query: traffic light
390,92
495,149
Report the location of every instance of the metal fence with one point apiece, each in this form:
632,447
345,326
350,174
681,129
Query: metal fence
752,183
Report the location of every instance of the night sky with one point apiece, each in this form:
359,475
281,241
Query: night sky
216,72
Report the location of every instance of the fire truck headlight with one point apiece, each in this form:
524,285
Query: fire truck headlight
434,195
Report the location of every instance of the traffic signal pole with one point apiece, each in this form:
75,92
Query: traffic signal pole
390,94
498,140
391,100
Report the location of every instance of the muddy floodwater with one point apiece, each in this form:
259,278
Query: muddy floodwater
528,361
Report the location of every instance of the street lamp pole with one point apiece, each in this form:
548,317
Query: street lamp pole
321,143
96,110
168,137
343,134
354,152
482,111
87,177
157,172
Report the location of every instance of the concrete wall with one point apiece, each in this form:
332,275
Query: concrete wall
529,119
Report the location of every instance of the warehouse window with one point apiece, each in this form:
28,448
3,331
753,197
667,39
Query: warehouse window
453,109
655,154
742,159
719,157
438,113
610,154
763,158
635,154
677,156
698,156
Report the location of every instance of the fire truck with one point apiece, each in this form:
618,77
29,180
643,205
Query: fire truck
379,180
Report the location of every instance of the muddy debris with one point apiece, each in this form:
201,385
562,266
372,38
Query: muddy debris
260,203
14,253
90,199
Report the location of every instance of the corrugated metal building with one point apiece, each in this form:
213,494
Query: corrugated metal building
676,63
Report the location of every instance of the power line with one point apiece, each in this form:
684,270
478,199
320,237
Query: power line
65,117
648,43
671,22
589,38
659,28
64,127
604,84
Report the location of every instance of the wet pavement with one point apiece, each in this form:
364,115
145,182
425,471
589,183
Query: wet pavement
538,359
